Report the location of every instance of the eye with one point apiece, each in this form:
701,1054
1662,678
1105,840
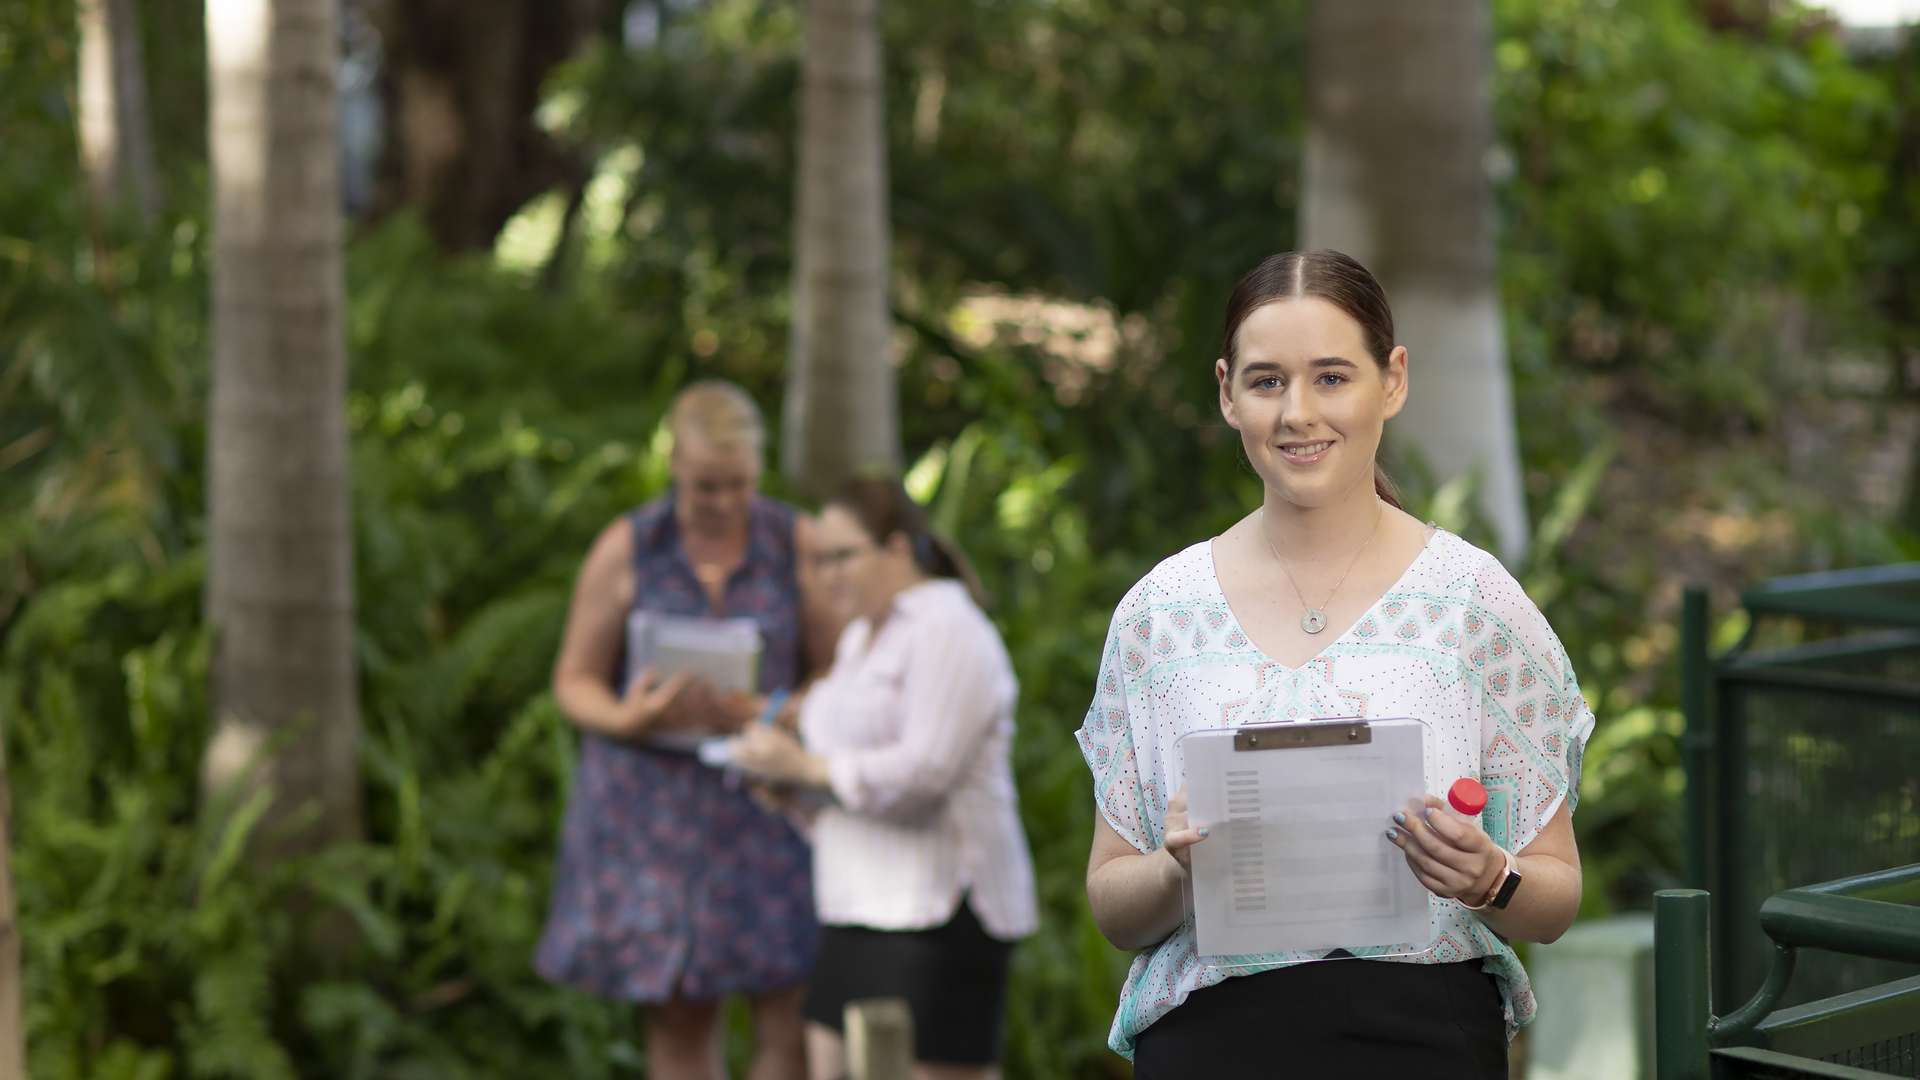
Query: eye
1333,375
1267,382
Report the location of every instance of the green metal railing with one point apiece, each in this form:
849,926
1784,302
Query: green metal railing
1802,753
1872,1031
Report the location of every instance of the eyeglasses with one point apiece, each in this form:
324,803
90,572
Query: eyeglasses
836,558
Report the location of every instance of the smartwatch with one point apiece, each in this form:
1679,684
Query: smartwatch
1503,888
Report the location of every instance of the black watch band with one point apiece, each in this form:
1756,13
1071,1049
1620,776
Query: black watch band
1504,893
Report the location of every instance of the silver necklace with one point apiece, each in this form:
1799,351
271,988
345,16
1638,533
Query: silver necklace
1314,619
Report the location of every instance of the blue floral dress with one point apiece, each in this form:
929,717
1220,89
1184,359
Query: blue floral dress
671,883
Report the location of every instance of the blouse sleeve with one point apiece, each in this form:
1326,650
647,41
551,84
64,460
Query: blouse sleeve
1534,722
1133,806
958,685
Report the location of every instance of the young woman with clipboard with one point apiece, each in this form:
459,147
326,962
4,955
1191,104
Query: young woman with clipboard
1329,600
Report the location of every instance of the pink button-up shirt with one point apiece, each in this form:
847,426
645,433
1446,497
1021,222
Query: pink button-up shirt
916,724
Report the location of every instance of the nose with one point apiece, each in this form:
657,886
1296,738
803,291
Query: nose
1298,410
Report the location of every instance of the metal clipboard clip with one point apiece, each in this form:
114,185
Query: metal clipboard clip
1335,731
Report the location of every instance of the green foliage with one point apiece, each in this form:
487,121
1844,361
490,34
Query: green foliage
1648,147
152,950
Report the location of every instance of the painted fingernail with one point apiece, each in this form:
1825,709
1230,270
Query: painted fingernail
1203,832
1428,815
1399,818
1393,835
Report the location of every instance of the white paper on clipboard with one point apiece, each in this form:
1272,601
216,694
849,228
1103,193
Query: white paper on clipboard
724,652
1297,858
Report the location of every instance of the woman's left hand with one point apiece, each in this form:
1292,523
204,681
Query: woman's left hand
771,753
1448,853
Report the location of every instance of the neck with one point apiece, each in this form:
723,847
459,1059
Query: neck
693,536
1322,533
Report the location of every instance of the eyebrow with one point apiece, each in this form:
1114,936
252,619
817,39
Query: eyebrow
1264,366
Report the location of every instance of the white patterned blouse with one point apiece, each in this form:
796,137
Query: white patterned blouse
1455,643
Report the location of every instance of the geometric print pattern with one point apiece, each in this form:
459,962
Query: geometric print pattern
1455,643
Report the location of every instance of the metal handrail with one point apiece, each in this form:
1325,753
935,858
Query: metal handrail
1871,915
1804,919
1899,885
1865,915
1861,595
1782,1064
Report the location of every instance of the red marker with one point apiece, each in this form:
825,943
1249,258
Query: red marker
1467,796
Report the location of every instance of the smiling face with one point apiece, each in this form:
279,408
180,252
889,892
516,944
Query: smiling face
1308,400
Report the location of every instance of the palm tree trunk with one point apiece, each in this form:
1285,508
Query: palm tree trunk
841,414
116,132
280,588
1400,133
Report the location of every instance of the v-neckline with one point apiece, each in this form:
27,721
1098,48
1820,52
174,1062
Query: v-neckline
1220,590
716,607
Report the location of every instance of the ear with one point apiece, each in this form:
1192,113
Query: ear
1395,378
899,545
1224,377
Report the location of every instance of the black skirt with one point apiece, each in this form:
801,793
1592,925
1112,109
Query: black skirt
1358,1018
953,977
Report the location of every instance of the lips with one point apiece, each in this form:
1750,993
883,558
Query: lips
1305,453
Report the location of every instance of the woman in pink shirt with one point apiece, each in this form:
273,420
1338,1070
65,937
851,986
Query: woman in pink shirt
922,878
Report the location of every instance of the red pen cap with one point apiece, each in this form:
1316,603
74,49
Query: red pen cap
1467,796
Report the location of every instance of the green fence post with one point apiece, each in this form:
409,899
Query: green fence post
1683,1006
1696,668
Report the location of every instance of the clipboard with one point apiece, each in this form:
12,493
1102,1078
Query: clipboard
724,652
1297,865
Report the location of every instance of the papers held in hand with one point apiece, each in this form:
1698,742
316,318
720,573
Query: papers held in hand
725,653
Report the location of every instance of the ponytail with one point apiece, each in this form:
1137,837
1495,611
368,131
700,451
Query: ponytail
941,558
1385,488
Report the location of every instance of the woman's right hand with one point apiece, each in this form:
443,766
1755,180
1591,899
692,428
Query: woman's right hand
1180,836
647,699
734,710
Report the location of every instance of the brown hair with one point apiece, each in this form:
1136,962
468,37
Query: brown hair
882,507
1328,275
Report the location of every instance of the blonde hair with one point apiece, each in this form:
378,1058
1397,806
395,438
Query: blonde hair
719,414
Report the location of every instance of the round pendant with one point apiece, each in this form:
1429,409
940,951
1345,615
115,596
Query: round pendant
1313,621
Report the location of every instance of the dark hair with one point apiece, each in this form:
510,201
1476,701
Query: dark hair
882,507
1331,276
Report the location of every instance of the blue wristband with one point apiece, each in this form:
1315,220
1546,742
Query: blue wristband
775,701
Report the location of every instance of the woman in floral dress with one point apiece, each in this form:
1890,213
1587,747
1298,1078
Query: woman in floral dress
673,888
